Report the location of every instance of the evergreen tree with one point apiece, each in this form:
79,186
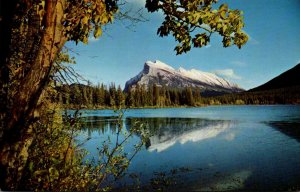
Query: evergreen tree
155,95
130,98
120,97
189,97
197,95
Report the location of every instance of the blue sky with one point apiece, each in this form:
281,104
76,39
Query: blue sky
274,46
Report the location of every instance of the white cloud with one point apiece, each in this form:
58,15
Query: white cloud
227,73
239,63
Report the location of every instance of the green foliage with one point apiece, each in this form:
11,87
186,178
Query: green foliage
55,163
86,16
192,22
56,160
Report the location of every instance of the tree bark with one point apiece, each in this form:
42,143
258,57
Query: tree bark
17,114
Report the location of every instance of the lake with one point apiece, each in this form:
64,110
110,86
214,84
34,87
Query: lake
209,148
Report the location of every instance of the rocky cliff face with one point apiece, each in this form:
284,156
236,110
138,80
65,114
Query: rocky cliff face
162,74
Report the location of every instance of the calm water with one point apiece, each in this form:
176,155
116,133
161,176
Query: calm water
216,148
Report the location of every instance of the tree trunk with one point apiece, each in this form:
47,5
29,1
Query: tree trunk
17,114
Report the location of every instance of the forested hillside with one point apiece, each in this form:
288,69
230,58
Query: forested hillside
289,78
290,95
102,96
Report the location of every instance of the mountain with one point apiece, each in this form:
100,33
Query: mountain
283,89
290,78
162,74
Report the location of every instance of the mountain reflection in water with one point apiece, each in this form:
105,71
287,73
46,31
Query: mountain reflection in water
168,131
165,132
252,148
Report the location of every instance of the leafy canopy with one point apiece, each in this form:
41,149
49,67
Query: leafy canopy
192,22
81,17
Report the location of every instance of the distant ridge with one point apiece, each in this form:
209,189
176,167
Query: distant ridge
290,78
164,75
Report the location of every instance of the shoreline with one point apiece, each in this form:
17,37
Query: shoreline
171,107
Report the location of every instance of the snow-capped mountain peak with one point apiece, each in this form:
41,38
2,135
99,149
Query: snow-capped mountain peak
207,77
159,64
162,74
